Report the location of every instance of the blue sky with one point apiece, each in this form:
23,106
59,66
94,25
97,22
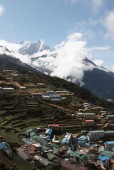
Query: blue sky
54,20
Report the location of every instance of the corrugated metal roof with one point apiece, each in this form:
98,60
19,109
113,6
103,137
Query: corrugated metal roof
97,131
40,140
109,143
82,138
109,131
89,114
65,141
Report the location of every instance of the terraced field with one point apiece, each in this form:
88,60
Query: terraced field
28,113
19,112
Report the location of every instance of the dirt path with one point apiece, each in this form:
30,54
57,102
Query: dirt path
58,107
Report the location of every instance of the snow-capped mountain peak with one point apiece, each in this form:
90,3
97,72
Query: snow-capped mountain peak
31,48
68,59
25,47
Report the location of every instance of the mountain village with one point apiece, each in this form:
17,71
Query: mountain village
57,85
83,142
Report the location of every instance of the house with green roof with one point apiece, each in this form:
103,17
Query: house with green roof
30,130
107,153
77,155
39,139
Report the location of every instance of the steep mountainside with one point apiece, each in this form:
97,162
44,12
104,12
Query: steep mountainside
100,82
8,62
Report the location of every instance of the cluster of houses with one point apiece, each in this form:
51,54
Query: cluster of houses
44,148
49,95
52,95
73,151
100,119
9,90
47,148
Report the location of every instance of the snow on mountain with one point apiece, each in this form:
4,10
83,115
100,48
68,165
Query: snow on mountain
68,60
25,50
32,48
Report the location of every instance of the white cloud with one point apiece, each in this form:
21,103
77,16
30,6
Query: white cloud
70,56
1,9
66,61
13,50
101,48
9,45
109,24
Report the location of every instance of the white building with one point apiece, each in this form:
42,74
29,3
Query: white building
7,90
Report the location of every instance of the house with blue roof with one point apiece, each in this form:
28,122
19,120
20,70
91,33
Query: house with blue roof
82,140
50,133
4,145
109,145
67,139
103,159
55,97
6,148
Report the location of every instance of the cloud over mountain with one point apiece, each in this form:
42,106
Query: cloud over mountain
70,56
68,60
